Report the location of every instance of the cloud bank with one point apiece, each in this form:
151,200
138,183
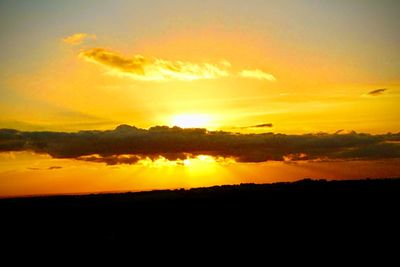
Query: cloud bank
78,38
141,68
128,144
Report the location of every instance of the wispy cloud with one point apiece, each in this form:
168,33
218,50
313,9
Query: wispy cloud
263,125
257,74
111,160
128,145
377,92
42,169
154,69
78,38
143,68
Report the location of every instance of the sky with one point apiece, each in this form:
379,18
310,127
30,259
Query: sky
320,72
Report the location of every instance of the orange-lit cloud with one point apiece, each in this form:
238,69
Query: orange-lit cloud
257,74
154,69
111,160
78,38
141,68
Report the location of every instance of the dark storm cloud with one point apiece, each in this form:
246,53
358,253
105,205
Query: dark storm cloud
127,145
377,92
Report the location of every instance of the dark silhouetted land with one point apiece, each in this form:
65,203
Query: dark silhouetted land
304,209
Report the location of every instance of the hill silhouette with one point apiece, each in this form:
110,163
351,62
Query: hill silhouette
358,208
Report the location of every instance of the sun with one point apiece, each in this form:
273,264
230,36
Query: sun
191,120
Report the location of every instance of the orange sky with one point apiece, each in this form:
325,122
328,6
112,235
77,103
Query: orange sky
238,66
28,174
239,63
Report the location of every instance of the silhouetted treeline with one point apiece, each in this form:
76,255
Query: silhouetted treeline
305,209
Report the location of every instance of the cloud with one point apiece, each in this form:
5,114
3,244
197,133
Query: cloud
78,38
377,92
264,125
111,160
127,145
141,68
257,74
48,168
154,69
339,131
54,167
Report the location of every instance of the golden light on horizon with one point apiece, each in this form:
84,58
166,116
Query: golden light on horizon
267,91
191,121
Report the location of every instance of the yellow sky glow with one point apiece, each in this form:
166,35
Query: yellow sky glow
244,67
191,121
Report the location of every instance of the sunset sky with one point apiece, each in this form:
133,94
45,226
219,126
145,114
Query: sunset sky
320,73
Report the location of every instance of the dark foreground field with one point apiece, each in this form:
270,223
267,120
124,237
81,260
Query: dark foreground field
304,210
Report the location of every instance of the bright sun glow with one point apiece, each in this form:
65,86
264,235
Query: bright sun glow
191,121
